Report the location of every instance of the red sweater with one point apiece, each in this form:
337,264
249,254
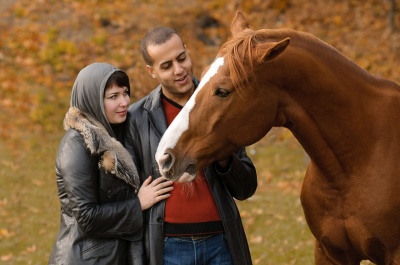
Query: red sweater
191,209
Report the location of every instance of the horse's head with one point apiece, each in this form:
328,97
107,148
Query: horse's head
226,111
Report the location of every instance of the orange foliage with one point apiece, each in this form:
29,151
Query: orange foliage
45,43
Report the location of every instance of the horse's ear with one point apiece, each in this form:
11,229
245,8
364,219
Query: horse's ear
269,51
239,23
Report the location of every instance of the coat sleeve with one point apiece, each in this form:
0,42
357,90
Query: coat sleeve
79,171
241,177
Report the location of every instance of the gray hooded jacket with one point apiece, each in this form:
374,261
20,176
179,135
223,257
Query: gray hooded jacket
101,216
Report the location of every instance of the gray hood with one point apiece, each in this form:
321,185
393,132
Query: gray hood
88,91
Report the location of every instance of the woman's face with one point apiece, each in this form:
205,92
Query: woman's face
116,103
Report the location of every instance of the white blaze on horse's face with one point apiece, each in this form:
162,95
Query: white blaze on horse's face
181,122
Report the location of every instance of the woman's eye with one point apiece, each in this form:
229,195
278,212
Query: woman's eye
221,92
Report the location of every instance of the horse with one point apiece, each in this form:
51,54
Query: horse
343,117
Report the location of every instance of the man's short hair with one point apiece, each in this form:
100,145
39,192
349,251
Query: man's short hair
156,36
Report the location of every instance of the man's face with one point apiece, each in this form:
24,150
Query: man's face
173,69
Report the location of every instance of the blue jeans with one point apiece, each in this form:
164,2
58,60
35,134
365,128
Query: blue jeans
185,251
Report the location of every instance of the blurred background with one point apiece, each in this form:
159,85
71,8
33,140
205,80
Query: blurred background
44,44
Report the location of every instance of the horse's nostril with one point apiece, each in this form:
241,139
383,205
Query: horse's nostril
166,161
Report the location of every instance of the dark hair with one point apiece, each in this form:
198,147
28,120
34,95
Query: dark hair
156,36
120,79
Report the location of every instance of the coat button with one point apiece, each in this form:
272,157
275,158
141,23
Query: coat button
159,219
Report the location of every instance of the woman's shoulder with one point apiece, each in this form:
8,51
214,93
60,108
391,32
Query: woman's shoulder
72,135
72,140
72,151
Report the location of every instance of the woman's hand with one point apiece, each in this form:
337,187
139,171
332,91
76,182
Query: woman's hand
152,192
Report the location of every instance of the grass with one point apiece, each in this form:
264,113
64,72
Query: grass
29,216
273,217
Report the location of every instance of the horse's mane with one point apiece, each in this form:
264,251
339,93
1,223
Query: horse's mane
239,50
238,72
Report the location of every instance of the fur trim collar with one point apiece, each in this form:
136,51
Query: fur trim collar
114,157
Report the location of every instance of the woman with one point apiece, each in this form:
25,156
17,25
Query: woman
98,185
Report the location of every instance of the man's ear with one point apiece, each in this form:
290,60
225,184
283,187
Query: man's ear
150,71
187,51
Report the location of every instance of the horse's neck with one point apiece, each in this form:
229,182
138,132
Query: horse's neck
317,143
327,98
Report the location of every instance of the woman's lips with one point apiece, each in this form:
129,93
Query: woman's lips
122,113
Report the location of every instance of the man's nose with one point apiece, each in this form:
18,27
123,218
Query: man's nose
178,69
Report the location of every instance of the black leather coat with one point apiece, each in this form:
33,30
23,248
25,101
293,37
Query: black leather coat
145,127
101,216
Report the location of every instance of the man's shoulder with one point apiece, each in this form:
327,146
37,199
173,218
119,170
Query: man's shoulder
138,105
147,102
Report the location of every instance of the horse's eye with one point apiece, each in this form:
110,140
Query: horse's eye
221,92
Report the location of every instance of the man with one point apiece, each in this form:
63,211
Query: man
200,222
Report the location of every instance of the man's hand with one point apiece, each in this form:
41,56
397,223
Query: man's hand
224,165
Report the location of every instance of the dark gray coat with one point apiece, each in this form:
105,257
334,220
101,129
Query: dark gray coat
146,125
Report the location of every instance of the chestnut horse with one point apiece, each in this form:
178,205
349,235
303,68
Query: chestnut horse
344,118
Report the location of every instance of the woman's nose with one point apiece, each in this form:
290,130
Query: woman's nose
124,101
